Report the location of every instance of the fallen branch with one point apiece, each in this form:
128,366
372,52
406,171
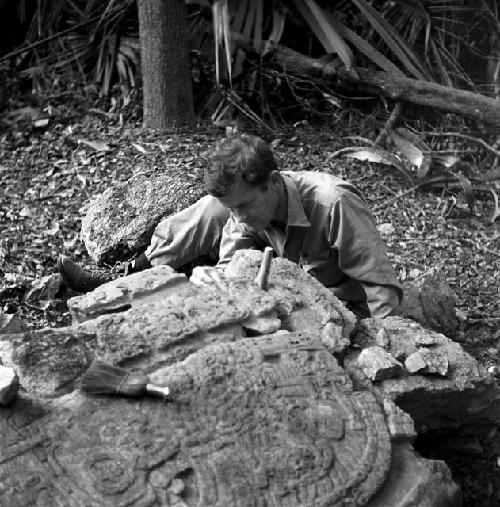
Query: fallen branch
393,118
424,93
467,137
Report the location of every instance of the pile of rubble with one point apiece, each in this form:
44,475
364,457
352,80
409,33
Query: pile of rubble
280,397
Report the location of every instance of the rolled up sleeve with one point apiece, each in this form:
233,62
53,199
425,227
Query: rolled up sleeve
188,234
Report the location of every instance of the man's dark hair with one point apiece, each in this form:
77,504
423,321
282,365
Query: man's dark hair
245,154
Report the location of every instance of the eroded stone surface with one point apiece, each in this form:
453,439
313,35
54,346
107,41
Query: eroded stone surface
44,289
121,294
378,364
121,221
399,423
427,361
242,430
303,302
467,393
431,302
10,323
415,481
161,332
49,361
9,385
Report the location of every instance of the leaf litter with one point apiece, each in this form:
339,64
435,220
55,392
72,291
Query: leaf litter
47,179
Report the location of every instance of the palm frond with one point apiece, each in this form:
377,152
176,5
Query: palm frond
324,30
220,17
396,44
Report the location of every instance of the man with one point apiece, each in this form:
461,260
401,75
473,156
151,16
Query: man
178,240
315,219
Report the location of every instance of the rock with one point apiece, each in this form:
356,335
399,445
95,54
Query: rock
241,429
251,419
121,221
44,289
467,397
261,325
121,294
399,423
302,301
50,361
415,363
9,385
415,481
377,364
10,324
431,302
427,361
163,331
467,445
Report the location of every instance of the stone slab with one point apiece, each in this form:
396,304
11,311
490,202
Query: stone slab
125,292
121,220
50,361
9,385
467,396
302,301
377,364
271,420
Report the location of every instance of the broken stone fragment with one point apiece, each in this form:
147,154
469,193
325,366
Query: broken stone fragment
382,338
415,363
121,220
399,423
9,385
302,301
427,361
10,324
146,287
377,364
432,303
265,324
44,289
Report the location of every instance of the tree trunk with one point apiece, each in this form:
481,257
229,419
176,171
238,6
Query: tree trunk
167,87
432,95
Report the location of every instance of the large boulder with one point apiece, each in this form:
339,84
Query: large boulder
249,422
120,221
431,302
449,389
270,399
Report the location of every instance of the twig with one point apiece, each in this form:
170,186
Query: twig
48,39
465,136
398,196
393,118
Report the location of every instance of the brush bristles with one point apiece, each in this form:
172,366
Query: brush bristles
103,378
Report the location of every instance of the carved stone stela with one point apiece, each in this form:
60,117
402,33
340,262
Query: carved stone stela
267,421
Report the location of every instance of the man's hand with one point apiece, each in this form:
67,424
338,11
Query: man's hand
208,275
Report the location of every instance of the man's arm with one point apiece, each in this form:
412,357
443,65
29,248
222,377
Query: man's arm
188,234
362,255
234,237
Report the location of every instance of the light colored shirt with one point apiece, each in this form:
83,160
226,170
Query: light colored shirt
332,235
188,234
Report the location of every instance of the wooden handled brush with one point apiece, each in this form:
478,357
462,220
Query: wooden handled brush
103,378
265,266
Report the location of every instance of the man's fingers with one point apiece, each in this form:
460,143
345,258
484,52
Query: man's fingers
208,276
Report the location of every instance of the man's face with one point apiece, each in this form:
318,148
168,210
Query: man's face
252,205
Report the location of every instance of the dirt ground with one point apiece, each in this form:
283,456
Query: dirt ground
47,177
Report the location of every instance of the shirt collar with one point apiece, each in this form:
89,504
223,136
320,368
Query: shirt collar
296,216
